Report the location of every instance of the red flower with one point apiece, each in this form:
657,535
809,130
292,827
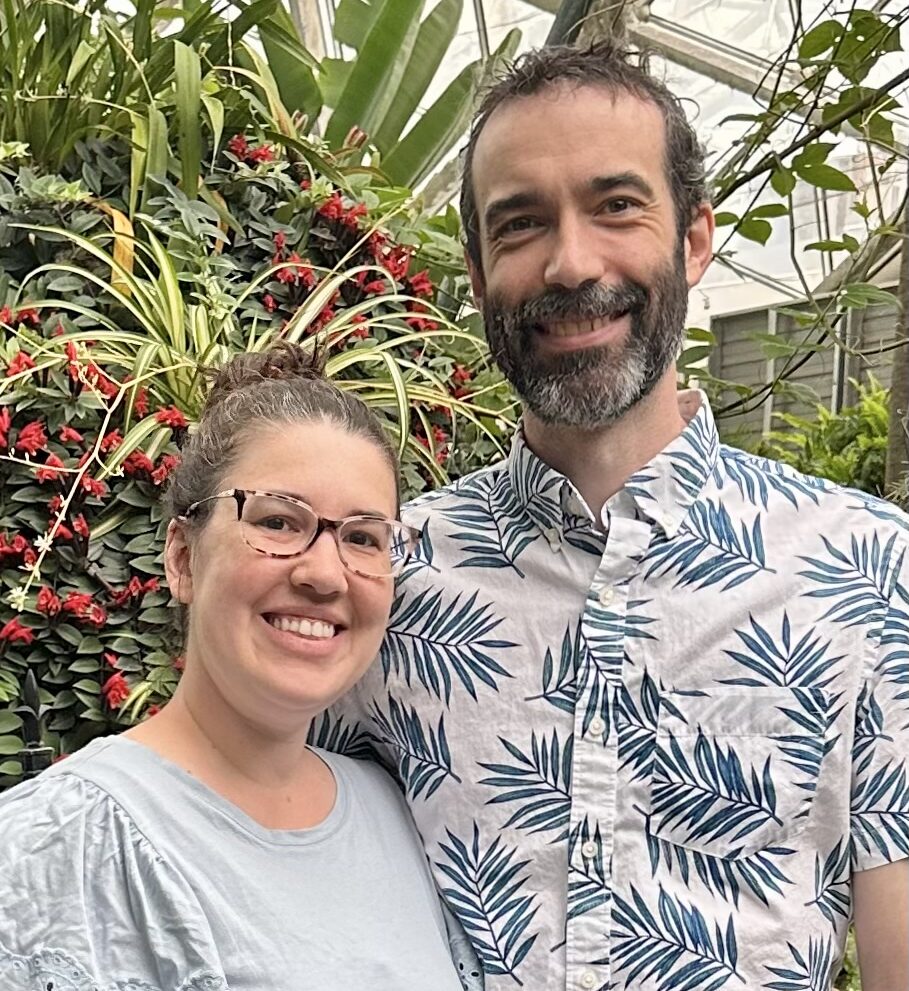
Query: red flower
375,244
14,631
421,323
280,240
77,603
263,153
136,462
397,261
48,603
22,362
29,315
15,549
165,466
115,690
98,380
110,442
461,374
81,527
6,315
111,659
29,557
375,287
421,284
152,710
332,208
47,473
55,504
297,270
171,417
179,663
93,486
238,146
351,218
5,423
269,302
97,615
63,531
141,403
32,437
305,184
68,435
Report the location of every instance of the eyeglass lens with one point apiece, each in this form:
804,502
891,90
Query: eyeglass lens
276,525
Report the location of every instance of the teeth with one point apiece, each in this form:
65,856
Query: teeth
303,627
575,328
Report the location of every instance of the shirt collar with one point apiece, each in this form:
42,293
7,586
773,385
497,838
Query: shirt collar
663,490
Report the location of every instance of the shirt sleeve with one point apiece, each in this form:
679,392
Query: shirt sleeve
880,779
85,900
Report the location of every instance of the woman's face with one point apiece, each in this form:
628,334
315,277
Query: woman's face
238,597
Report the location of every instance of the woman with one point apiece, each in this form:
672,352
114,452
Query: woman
209,848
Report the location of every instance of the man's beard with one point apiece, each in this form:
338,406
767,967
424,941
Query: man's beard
591,387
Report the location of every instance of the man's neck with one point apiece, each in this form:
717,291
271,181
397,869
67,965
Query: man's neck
599,462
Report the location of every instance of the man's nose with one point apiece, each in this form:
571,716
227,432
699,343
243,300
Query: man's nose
320,566
574,260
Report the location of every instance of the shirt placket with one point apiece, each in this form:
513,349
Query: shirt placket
595,755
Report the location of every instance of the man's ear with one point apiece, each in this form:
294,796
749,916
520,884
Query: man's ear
699,244
477,283
178,563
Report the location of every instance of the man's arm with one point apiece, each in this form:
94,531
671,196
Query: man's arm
881,904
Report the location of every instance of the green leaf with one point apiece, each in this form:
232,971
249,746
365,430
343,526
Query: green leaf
433,40
291,64
820,39
432,137
188,83
700,334
825,246
10,768
782,181
755,230
862,294
10,745
374,64
9,722
353,21
768,210
725,219
825,177
813,154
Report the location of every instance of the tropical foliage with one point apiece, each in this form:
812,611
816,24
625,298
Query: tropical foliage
181,212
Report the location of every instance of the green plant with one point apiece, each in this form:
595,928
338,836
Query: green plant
849,447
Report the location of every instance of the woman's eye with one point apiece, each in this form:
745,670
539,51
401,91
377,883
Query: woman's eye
362,538
277,523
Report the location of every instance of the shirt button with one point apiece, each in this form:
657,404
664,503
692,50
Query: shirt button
588,979
606,596
589,849
597,727
667,521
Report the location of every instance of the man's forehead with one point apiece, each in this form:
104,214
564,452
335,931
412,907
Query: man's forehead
578,131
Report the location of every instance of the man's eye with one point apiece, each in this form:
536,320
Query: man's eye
517,225
619,205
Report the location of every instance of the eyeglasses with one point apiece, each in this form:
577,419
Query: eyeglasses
281,526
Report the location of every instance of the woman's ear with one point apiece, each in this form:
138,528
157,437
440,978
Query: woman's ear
178,563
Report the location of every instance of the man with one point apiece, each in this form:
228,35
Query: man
646,694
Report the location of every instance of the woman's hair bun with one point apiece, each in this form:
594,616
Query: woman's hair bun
282,360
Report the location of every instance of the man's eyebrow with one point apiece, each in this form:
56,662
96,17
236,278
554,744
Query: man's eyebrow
607,183
517,201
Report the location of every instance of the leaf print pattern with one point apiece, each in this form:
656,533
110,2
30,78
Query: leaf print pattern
779,661
540,782
812,971
438,641
711,550
673,943
677,732
424,757
487,890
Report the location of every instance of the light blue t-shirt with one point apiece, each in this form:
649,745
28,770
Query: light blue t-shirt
121,872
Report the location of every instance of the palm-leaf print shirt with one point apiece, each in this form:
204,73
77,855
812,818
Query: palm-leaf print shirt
649,750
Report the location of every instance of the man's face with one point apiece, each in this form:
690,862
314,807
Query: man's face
585,280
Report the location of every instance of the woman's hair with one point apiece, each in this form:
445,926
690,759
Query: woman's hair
252,391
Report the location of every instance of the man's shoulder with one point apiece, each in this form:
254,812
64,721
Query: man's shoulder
418,510
768,483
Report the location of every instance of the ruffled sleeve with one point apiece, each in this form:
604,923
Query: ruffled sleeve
86,903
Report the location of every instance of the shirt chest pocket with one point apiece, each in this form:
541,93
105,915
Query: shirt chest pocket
736,772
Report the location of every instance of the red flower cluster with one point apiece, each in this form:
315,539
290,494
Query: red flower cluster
94,487
240,147
165,466
137,463
110,442
420,284
18,547
115,690
68,435
171,417
6,421
48,472
333,209
298,271
21,363
83,607
136,589
28,315
32,438
14,631
48,602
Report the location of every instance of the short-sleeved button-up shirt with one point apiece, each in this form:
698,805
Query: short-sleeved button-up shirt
648,750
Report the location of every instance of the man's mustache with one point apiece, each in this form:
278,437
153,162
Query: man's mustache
590,302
